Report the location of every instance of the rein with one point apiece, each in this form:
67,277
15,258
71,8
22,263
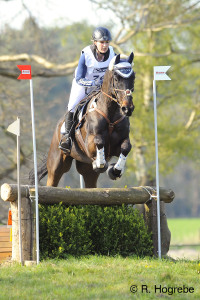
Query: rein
110,97
127,93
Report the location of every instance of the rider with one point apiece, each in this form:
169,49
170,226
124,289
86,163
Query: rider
93,62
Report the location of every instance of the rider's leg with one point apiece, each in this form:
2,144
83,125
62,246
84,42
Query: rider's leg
76,95
66,141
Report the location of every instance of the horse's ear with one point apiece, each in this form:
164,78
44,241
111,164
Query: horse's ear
117,59
131,57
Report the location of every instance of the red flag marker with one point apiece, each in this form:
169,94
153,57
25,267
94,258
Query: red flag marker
25,71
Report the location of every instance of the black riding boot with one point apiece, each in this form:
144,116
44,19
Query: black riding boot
66,141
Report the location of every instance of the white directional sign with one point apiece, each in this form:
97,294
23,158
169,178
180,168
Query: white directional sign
15,127
160,73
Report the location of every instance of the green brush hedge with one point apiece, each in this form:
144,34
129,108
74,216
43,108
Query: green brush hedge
87,230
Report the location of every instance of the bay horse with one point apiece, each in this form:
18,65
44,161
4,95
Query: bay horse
103,131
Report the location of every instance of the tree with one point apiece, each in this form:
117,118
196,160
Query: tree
50,93
164,33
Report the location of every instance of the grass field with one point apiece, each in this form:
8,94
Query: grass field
185,238
184,231
97,277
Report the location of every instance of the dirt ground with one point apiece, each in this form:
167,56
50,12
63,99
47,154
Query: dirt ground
184,253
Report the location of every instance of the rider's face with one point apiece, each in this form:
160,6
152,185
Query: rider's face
102,46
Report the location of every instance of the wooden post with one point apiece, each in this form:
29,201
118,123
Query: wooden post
28,231
150,217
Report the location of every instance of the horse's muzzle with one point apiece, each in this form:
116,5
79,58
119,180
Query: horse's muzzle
128,110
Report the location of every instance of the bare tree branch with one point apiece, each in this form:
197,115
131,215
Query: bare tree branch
38,59
139,16
48,69
191,119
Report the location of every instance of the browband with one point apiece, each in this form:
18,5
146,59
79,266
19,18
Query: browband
124,69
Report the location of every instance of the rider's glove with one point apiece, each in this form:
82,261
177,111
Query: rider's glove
97,82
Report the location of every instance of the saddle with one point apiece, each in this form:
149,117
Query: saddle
80,111
81,108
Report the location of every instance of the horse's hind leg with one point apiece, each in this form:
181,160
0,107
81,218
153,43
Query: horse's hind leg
89,175
57,166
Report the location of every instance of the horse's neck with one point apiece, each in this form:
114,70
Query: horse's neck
110,108
105,103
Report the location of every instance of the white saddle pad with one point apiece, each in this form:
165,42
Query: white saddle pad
62,129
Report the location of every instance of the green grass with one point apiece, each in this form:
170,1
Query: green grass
97,277
184,231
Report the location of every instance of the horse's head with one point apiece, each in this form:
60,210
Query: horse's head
122,82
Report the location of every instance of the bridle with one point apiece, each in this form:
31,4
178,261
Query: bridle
126,92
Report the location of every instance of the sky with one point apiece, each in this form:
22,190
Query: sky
51,12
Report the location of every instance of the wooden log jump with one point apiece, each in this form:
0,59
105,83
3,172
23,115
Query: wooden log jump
93,196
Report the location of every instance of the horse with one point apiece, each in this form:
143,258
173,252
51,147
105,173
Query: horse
102,132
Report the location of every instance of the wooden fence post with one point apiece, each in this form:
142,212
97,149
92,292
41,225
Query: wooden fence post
150,217
28,230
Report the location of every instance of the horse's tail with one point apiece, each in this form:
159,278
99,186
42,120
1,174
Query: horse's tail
41,171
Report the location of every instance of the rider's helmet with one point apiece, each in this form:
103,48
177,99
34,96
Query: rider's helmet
101,34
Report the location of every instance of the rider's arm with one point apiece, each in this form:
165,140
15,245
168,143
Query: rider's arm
81,72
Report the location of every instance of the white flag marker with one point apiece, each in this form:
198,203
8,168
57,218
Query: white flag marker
14,127
159,74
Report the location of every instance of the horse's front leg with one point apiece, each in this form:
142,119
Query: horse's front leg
115,171
99,165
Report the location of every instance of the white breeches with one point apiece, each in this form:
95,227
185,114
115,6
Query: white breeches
76,95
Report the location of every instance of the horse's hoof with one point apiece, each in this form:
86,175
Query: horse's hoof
102,169
113,173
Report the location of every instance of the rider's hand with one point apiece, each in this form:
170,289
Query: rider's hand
97,82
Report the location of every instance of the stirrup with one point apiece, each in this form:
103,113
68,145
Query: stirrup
65,149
